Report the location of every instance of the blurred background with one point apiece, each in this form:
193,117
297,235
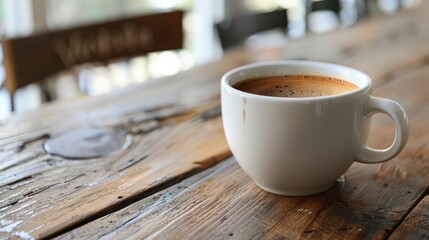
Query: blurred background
201,42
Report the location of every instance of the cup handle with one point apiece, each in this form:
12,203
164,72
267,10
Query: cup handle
399,117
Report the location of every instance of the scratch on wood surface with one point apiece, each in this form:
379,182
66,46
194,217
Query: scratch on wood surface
22,206
356,194
35,139
146,127
74,178
39,190
133,162
18,146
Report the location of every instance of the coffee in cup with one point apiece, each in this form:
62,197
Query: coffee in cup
295,86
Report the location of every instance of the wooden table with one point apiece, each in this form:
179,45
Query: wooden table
177,179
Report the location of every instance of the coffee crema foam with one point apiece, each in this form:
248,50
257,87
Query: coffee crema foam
295,86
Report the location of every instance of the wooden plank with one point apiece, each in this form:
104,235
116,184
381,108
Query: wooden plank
37,188
156,204
68,191
416,225
227,204
369,202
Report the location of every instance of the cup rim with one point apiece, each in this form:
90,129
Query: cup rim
361,89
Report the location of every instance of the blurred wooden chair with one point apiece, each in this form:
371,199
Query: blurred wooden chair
363,8
33,58
322,15
233,32
330,5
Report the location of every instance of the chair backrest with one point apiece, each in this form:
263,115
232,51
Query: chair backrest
233,31
33,58
331,5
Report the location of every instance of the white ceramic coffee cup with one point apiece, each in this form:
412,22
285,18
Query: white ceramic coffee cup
300,146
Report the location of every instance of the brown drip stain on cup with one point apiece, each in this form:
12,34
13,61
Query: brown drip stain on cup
244,112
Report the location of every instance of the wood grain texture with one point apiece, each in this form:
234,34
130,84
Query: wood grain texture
76,191
176,128
177,131
416,225
227,204
368,203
